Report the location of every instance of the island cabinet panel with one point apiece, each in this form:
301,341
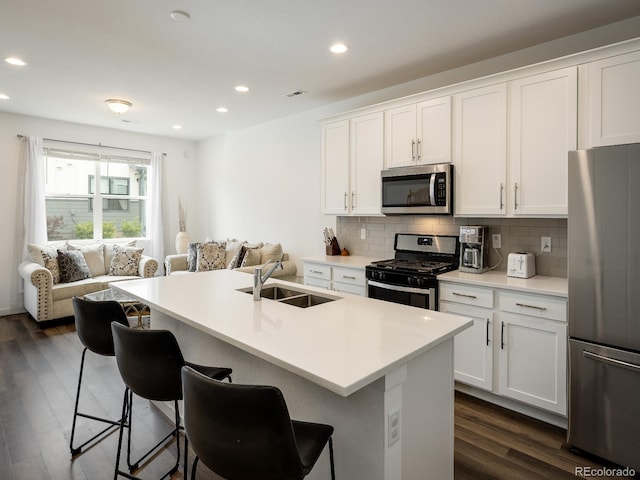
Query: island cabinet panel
340,278
612,100
517,346
352,158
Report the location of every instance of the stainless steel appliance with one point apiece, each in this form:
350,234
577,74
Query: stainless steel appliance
604,303
410,277
420,189
474,249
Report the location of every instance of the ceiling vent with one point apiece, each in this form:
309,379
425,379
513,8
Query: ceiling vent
296,93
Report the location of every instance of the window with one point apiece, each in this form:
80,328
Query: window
71,194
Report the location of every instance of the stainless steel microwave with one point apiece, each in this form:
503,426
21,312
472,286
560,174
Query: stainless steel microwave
418,190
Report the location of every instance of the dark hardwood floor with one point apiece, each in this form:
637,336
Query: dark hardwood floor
38,375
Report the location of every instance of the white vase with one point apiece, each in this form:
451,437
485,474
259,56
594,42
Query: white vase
182,242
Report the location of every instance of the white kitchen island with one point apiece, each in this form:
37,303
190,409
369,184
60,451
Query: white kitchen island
379,372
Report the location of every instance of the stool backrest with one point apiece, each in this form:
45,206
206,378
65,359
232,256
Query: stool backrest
149,362
240,431
93,323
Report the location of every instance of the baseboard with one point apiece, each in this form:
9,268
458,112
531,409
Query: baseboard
542,415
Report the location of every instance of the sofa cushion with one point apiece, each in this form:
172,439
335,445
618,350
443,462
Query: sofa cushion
51,264
94,256
271,252
233,249
72,265
192,256
210,256
251,257
36,251
79,288
126,260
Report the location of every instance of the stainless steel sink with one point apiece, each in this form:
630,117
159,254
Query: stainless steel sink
291,296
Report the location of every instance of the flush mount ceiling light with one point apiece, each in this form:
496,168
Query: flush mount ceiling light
180,16
177,127
15,61
4,97
118,106
338,48
241,88
222,110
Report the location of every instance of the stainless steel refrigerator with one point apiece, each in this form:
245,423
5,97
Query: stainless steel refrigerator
604,303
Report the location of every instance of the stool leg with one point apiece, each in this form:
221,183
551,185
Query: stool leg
125,408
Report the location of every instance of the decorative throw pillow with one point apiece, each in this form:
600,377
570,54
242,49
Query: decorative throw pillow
51,264
251,257
210,256
108,252
73,266
271,252
192,256
94,256
243,252
126,260
232,251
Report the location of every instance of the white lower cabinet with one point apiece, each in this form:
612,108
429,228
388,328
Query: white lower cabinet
517,347
348,279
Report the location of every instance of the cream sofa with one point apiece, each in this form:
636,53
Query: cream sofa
179,263
46,300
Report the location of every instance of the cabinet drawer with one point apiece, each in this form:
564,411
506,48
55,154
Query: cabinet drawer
317,282
551,308
350,288
317,270
466,294
354,276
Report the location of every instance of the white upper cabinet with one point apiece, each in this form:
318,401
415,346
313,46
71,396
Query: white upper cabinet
611,108
352,158
335,167
366,138
418,133
511,146
543,129
480,151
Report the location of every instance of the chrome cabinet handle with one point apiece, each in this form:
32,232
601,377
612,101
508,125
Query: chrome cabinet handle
530,306
345,200
418,150
413,150
515,197
353,199
349,277
501,192
317,271
463,295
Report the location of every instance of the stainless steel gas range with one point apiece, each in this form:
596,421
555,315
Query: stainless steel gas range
410,277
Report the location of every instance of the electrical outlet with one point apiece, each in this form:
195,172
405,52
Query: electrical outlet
393,427
545,245
363,234
496,239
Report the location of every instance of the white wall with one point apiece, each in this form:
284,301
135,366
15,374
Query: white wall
179,178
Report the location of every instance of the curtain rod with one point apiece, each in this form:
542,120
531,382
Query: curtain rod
20,136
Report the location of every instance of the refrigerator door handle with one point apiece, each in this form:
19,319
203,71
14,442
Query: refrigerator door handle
611,361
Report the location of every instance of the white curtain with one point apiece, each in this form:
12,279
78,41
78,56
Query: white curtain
155,230
35,213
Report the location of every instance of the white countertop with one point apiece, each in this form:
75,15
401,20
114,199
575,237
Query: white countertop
341,345
556,286
353,261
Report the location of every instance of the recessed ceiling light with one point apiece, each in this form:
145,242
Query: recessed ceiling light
338,48
222,109
15,61
242,88
118,106
177,127
4,97
180,16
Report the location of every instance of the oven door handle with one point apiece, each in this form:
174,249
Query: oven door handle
398,288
